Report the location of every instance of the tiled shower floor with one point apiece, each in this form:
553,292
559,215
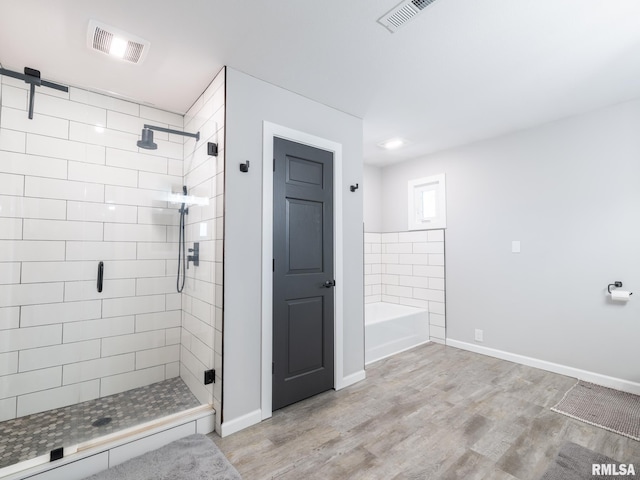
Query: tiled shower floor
34,435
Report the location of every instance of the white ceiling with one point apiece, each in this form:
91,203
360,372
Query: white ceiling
460,71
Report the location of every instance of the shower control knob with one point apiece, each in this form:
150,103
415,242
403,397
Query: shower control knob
329,284
195,258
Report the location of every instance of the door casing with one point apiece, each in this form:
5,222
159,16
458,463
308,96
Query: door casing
271,130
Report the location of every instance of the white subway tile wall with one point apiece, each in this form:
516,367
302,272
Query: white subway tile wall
407,268
201,298
74,190
372,267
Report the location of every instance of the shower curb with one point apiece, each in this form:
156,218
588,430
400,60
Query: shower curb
99,454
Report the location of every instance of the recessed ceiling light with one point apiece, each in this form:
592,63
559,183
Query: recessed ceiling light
392,144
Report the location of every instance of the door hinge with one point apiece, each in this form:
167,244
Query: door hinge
273,265
274,164
209,377
273,368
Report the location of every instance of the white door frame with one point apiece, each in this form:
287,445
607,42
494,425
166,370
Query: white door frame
271,130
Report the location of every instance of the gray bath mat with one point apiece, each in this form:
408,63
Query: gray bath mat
576,463
191,458
603,407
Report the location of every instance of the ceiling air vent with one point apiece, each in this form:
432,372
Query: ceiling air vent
420,4
402,13
115,42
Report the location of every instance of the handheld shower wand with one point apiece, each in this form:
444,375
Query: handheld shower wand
182,259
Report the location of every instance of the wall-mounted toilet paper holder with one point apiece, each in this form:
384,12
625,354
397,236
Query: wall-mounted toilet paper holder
617,285
614,284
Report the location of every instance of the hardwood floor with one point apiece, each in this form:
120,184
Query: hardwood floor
433,412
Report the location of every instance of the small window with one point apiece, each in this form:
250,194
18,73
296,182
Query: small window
427,203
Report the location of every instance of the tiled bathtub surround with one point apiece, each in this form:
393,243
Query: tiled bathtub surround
201,331
407,268
75,190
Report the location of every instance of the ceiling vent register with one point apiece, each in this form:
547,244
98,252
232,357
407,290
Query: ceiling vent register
115,42
402,13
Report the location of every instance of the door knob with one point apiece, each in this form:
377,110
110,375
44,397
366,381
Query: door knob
329,284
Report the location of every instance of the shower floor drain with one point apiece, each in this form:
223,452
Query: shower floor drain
101,422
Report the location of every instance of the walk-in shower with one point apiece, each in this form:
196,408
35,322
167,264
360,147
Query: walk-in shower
92,337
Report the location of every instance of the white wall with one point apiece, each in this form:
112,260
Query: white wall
569,192
250,102
75,190
372,198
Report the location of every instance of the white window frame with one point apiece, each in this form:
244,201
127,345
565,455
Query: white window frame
416,220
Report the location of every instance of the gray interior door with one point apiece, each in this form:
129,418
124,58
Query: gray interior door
303,293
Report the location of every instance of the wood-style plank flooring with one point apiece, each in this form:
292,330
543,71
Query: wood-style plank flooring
433,412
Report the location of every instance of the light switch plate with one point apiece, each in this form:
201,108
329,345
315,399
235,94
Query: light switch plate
515,246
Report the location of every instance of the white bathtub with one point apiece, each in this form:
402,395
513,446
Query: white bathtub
390,328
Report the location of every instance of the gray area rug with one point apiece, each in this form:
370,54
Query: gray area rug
603,407
191,458
575,463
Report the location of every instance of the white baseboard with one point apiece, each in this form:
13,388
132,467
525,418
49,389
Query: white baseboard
351,379
592,377
235,425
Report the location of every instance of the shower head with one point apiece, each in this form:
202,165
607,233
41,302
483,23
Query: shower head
147,140
147,136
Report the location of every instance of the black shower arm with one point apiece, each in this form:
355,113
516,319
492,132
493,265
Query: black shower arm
169,130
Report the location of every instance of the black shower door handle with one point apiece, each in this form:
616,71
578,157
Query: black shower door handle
100,275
